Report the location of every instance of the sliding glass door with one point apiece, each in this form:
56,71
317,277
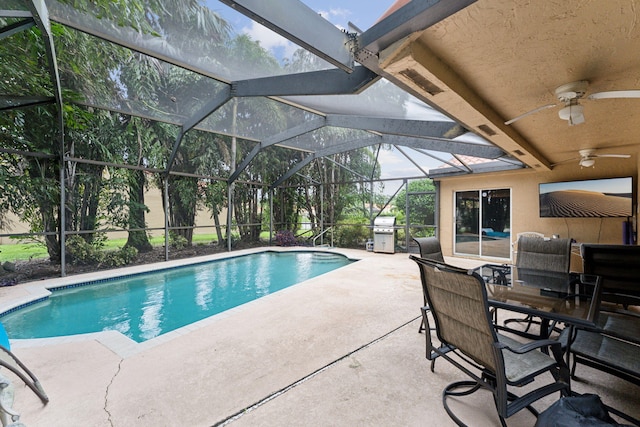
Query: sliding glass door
483,223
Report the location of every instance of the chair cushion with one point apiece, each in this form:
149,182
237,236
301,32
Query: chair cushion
625,326
606,350
429,248
520,366
541,254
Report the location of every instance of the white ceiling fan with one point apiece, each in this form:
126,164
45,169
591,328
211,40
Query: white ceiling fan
588,157
569,95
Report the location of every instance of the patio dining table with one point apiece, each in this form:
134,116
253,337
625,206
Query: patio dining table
570,298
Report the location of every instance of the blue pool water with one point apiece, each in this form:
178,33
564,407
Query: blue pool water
146,305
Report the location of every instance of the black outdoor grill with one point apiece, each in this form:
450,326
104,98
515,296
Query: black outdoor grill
384,234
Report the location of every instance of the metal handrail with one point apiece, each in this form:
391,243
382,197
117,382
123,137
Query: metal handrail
322,234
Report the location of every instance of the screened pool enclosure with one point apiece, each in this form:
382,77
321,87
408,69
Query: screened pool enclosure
166,119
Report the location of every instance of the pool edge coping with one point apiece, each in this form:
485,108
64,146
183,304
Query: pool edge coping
117,342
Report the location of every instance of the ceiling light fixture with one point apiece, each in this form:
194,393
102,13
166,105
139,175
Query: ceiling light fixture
573,113
587,163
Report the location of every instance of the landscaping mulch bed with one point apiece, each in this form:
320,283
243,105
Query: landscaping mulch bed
40,269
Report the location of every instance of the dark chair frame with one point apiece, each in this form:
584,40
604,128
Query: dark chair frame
613,345
539,254
544,254
430,248
619,267
463,324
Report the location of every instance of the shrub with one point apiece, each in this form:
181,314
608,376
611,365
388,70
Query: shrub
79,252
121,257
352,232
177,241
285,238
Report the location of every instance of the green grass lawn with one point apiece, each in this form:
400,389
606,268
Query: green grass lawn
26,251
22,251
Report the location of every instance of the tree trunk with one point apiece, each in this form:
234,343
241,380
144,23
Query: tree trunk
90,199
137,238
216,220
182,206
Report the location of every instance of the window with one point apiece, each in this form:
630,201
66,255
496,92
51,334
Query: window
483,223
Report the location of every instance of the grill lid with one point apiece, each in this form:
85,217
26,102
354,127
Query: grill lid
384,224
384,221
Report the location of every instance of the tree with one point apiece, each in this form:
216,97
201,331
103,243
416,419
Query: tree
34,134
141,131
215,199
165,91
254,118
422,200
83,65
28,183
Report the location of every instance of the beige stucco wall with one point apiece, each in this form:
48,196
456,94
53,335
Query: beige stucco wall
155,216
154,219
524,201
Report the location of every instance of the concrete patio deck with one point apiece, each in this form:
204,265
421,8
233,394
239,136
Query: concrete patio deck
342,349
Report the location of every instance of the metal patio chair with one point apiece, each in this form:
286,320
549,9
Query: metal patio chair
430,248
537,253
542,254
458,302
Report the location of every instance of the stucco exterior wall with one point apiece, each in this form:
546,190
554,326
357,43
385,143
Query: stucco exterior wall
154,219
525,203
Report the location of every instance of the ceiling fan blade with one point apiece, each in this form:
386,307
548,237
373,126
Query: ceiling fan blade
588,156
528,113
619,156
615,94
575,159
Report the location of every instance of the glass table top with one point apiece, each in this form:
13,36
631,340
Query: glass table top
568,297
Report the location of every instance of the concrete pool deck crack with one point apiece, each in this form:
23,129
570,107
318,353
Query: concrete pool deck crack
106,394
313,374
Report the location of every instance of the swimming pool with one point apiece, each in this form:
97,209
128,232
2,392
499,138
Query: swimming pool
146,305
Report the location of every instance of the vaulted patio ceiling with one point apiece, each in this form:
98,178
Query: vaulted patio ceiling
496,60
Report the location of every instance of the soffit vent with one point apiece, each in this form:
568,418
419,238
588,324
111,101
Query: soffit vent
421,81
486,129
518,152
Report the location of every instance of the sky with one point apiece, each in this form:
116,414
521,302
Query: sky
362,13
609,186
